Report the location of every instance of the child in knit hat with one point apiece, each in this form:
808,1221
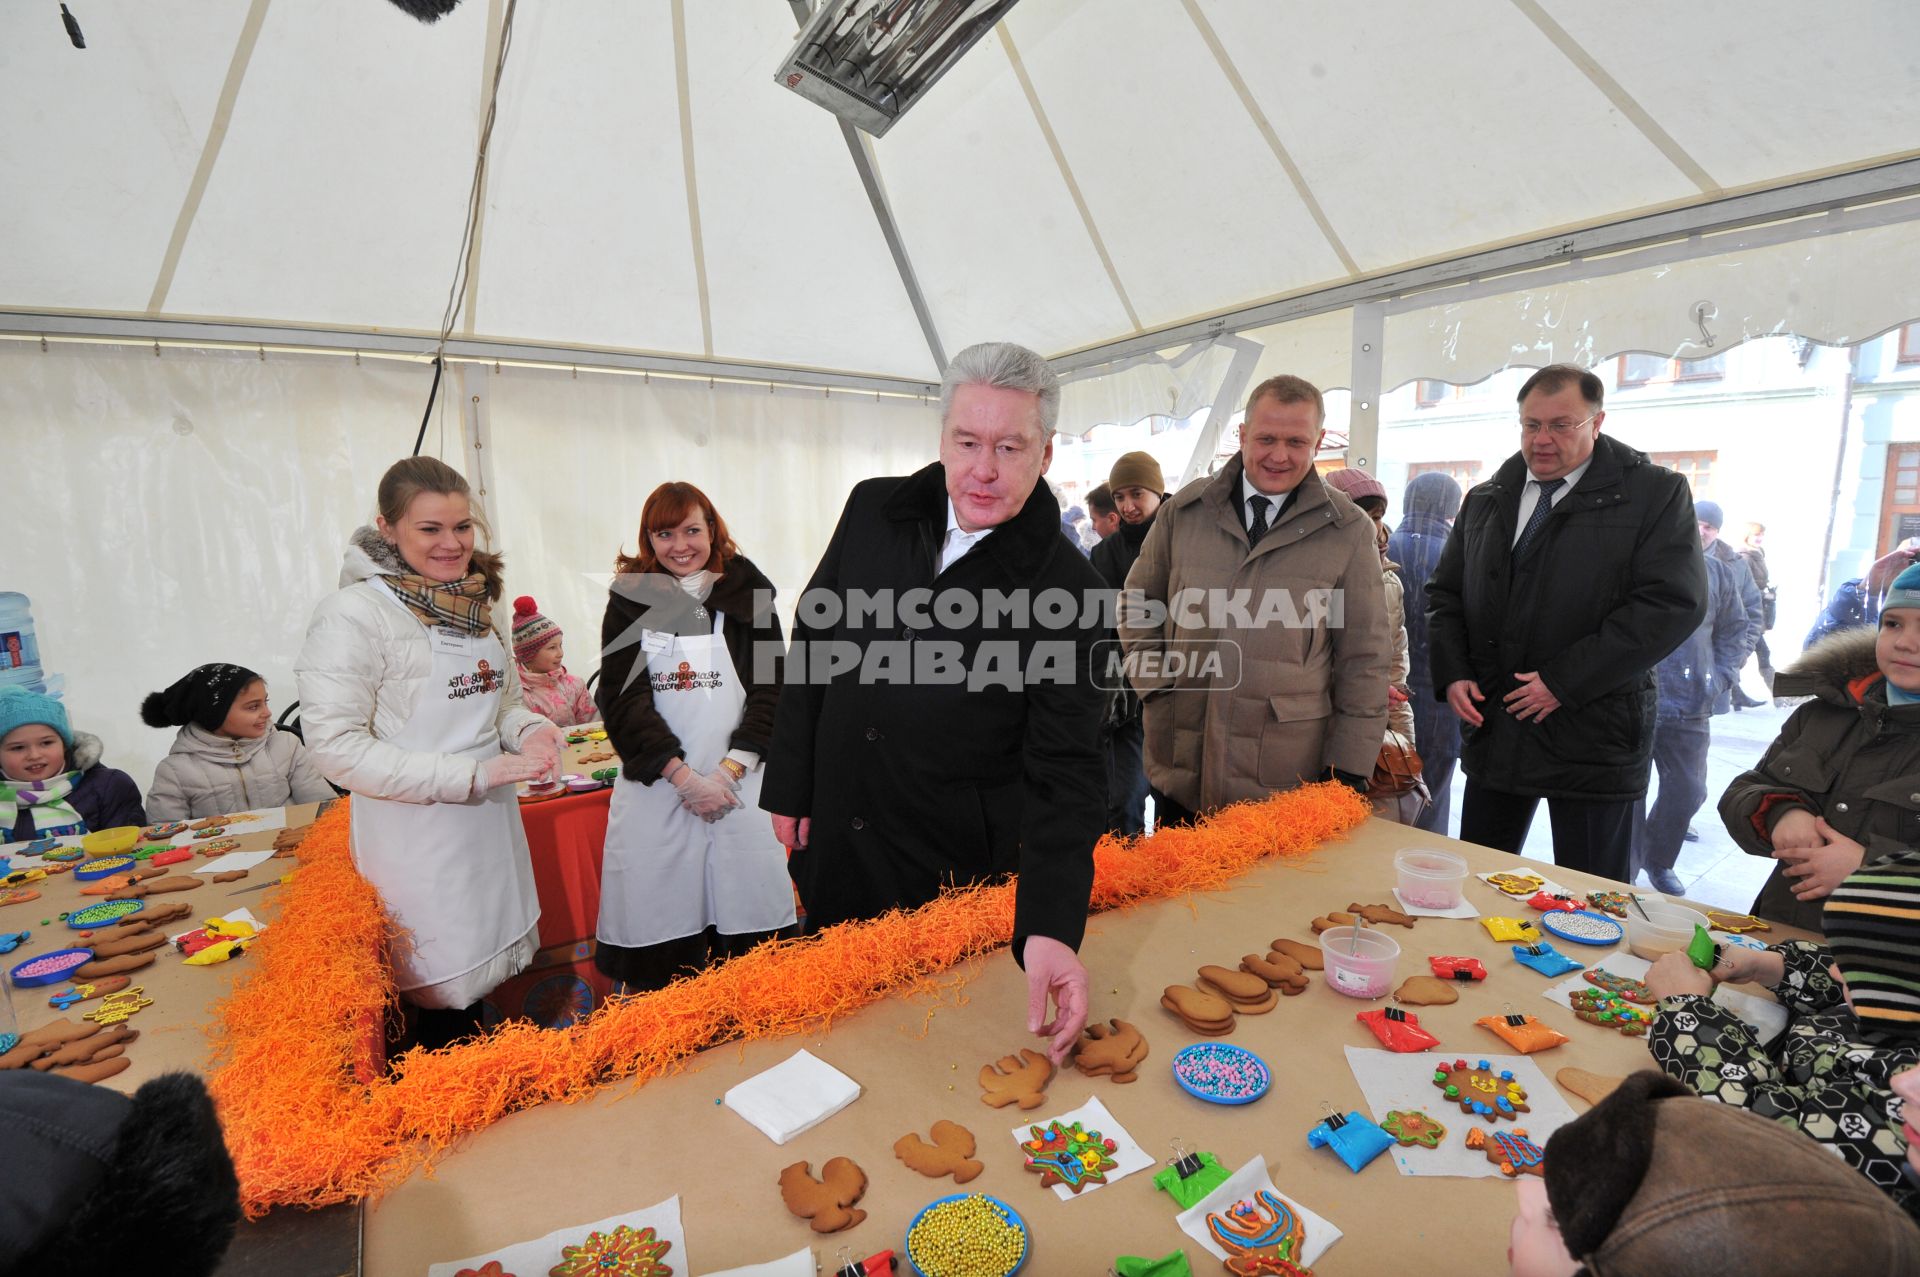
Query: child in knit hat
1853,1008
227,756
545,686
1653,1181
52,782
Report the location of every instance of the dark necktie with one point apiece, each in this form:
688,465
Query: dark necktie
1257,525
1541,509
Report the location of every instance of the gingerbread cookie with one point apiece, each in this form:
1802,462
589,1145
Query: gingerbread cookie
828,1202
1737,923
158,886
1070,1155
87,1049
211,832
1327,921
163,830
1247,993
1426,991
1614,902
97,1071
230,875
217,846
112,966
157,915
1516,884
951,1152
625,1251
1204,1013
1262,1234
1016,1079
1610,1011
1278,970
1307,955
1620,985
49,1037
1591,1087
132,940
1414,1127
1479,1091
1383,915
1113,1050
1511,1151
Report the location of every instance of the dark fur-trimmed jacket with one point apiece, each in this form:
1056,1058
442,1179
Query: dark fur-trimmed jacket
1826,1075
1846,755
743,596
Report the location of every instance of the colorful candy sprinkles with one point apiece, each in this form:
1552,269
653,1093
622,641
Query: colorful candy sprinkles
1221,1074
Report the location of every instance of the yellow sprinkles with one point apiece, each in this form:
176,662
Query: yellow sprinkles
969,1237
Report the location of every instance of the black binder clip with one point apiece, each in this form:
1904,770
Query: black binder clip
1185,1164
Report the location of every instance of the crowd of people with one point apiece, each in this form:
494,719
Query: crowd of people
1557,632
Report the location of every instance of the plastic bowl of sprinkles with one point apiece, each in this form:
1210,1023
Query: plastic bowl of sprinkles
104,914
49,968
967,1235
1582,927
1221,1074
101,867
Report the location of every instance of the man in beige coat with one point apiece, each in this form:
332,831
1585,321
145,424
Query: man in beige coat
1254,623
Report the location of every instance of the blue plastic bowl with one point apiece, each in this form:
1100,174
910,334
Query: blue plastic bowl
1013,1217
1558,919
1221,1047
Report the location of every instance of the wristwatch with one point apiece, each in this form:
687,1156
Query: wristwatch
735,768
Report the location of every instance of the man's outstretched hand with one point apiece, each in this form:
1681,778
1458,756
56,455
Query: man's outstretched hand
1055,971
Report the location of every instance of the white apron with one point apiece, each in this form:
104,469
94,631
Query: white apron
667,873
456,877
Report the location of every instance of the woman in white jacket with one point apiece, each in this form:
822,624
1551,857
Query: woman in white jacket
410,702
227,756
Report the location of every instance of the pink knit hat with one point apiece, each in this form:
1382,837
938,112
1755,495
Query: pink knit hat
1357,484
531,631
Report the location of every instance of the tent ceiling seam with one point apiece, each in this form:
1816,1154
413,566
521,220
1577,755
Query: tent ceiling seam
681,86
487,69
1617,94
1280,152
209,152
1066,174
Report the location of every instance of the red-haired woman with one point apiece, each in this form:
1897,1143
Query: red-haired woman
689,677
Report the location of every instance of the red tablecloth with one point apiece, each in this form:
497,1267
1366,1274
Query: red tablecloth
565,836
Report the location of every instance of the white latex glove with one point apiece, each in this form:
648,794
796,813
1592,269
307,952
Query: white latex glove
543,744
704,796
725,779
505,769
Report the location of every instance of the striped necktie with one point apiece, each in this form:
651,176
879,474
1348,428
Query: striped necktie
1541,509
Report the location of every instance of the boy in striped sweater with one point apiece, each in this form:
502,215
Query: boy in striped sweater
1853,1022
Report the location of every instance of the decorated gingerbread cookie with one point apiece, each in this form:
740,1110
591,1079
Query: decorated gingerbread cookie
1070,1155
1613,902
623,1252
1608,1010
828,1202
1479,1091
216,846
1414,1127
1261,1228
1738,923
163,830
1620,985
950,1153
1516,884
1511,1151
1016,1079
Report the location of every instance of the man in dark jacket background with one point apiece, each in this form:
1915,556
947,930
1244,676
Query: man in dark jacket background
1711,519
1568,577
1695,682
1430,505
1137,488
892,779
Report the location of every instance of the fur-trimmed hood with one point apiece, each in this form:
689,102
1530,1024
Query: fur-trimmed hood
85,752
369,555
1833,668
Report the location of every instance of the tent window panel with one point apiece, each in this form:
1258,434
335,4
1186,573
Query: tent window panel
1642,370
1428,392
1638,370
1910,344
1712,368
1695,467
1900,507
1465,473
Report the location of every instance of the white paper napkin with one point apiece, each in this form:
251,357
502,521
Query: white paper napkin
233,860
1241,1185
1461,910
798,1264
1093,1116
541,1254
1768,1018
1390,1080
793,1096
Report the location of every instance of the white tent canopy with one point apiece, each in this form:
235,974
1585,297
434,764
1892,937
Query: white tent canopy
1093,170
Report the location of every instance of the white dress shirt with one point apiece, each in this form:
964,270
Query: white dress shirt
1248,492
1530,495
958,540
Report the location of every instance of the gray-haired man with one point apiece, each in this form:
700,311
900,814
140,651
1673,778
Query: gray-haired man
891,783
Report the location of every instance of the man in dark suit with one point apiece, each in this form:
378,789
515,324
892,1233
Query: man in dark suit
1568,577
889,777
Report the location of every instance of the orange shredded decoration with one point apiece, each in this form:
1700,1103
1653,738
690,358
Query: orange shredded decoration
311,1120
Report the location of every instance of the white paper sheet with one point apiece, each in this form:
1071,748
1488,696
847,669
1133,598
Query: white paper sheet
1093,1116
233,860
1768,1018
541,1254
1461,910
793,1096
798,1264
231,915
1393,1081
1241,1185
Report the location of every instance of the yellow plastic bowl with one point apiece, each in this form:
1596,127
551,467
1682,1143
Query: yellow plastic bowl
110,842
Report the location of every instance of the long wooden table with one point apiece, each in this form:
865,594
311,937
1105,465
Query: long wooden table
917,1058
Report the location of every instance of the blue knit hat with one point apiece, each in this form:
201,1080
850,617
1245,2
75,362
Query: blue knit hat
19,707
1905,591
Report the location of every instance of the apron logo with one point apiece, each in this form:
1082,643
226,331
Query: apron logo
484,680
685,679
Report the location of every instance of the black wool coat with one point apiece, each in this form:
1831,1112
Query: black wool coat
1612,584
913,785
750,628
